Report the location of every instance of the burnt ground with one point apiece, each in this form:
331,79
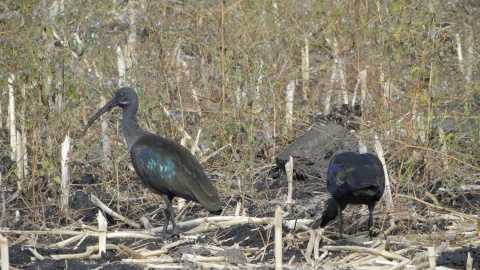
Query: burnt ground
242,244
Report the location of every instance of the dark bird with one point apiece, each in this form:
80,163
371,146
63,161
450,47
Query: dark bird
164,166
353,179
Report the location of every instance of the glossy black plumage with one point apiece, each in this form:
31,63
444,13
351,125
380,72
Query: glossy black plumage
164,166
353,179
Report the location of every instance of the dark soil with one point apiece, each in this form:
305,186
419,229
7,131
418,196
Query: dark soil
458,259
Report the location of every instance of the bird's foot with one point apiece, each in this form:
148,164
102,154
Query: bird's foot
374,232
174,234
170,235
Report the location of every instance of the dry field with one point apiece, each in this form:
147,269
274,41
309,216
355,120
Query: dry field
245,84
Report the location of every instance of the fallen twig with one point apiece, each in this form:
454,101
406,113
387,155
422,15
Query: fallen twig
88,253
214,153
198,258
163,266
167,259
310,247
383,253
164,249
68,241
205,262
110,235
400,265
132,253
112,213
36,254
85,255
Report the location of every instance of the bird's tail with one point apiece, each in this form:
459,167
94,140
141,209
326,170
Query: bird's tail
217,212
366,192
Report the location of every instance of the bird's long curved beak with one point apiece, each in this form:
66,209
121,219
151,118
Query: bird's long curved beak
107,107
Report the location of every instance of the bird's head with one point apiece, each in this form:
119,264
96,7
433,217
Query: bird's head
122,98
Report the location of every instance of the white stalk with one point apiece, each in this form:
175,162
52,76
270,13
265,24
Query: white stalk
328,98
65,176
385,88
289,170
340,68
289,101
195,144
24,154
102,233
120,67
363,90
432,258
59,100
105,140
469,264
355,92
132,37
237,209
11,116
5,264
305,70
387,194
470,58
278,238
2,197
343,82
362,148
19,155
460,53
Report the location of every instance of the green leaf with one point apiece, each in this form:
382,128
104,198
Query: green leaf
57,179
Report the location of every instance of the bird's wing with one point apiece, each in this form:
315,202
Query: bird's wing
155,170
338,175
172,169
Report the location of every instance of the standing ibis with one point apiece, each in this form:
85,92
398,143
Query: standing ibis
164,166
353,179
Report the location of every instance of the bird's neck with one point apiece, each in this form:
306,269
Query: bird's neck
130,126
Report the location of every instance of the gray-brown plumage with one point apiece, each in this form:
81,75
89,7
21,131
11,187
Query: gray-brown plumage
164,166
353,179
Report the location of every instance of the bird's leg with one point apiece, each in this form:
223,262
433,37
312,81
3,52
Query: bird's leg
371,206
176,231
339,210
168,206
169,216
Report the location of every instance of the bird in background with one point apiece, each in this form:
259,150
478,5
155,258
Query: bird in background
353,179
164,166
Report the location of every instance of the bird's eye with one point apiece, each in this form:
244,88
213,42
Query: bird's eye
120,94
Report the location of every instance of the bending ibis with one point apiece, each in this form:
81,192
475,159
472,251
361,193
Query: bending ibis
353,179
164,166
